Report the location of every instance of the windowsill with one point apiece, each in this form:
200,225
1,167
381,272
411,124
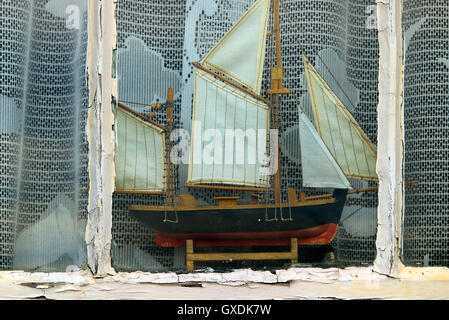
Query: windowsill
293,283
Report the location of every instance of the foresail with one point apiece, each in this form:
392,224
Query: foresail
346,141
139,154
240,53
319,169
229,135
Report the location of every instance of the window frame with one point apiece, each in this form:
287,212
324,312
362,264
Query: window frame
102,85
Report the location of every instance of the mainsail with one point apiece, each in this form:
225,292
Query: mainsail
139,156
229,134
230,127
348,144
319,169
240,53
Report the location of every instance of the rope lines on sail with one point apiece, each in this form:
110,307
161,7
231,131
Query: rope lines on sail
131,130
246,123
315,51
366,159
135,158
225,118
341,137
146,155
330,127
168,183
204,124
155,154
232,83
299,106
235,114
239,173
124,155
257,140
353,147
329,100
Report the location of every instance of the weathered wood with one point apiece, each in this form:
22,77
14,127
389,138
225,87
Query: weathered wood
390,138
100,135
191,257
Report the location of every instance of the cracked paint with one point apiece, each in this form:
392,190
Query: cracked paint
292,283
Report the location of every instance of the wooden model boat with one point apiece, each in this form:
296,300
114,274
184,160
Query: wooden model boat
227,97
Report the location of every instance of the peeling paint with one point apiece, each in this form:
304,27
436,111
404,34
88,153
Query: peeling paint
101,44
293,283
145,277
389,138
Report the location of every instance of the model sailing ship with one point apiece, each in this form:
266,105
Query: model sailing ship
227,84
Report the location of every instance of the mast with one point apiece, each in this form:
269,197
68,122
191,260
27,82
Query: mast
277,88
227,82
169,128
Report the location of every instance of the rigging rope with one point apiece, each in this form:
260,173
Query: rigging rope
267,198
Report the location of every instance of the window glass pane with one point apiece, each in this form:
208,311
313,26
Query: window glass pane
426,103
158,41
43,147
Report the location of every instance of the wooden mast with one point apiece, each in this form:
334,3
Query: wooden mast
169,170
277,88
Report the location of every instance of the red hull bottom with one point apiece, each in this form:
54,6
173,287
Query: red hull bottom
319,235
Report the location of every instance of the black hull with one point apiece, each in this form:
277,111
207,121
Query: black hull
248,220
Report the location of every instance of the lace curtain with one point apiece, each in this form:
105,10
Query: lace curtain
43,147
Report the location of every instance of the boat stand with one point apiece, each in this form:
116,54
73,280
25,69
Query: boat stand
191,256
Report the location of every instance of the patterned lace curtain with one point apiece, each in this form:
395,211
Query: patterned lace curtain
426,125
157,40
43,146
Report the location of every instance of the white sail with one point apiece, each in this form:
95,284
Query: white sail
221,111
139,155
344,138
240,53
319,169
